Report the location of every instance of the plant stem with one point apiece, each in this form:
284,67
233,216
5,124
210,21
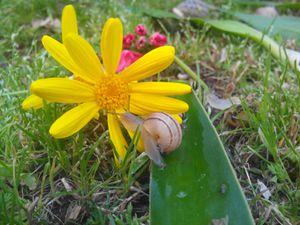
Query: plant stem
190,72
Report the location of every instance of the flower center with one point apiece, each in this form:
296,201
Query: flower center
112,94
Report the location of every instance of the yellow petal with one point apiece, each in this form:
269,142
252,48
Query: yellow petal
68,22
84,56
155,103
161,88
111,44
32,101
63,90
116,137
73,120
59,52
151,63
136,109
177,117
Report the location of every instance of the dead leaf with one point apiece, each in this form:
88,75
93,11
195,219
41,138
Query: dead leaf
243,116
47,22
67,186
182,76
230,88
249,58
222,104
235,67
236,120
72,212
223,56
251,98
228,117
264,190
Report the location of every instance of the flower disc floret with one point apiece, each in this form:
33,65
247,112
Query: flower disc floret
112,93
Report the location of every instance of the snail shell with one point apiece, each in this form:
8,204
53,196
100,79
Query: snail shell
165,130
160,133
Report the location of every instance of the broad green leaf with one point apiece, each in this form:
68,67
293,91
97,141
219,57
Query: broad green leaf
236,27
198,185
286,26
243,30
156,13
286,5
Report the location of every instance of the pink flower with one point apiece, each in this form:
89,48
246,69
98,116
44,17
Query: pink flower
140,43
127,58
127,40
158,39
141,30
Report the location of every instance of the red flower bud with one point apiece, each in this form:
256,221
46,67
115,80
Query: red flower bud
141,30
158,39
140,43
127,40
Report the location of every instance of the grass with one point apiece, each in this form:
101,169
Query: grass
43,179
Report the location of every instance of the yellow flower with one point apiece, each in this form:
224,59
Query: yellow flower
68,25
102,88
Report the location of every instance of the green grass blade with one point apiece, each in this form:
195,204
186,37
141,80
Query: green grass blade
198,186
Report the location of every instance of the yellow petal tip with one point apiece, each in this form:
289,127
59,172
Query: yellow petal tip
188,89
69,6
169,48
45,38
32,101
53,132
186,107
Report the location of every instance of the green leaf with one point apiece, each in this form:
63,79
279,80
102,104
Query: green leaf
235,27
156,13
286,26
198,185
285,5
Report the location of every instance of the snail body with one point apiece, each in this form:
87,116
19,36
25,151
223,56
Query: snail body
160,133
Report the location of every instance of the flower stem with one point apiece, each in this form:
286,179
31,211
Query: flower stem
190,72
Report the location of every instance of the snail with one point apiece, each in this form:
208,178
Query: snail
160,133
